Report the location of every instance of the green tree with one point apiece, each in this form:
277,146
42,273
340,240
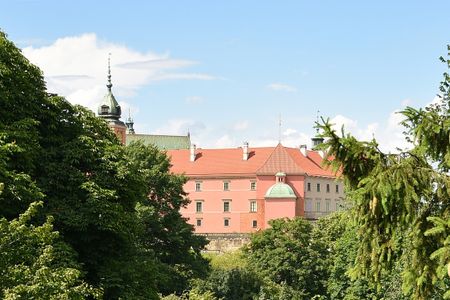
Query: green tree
340,233
36,264
288,253
394,194
68,158
164,230
22,106
235,283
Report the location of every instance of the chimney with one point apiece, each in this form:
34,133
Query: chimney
245,151
192,156
303,150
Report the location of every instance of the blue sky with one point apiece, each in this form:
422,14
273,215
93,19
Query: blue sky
226,70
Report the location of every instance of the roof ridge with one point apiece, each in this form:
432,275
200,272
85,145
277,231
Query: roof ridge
171,135
271,164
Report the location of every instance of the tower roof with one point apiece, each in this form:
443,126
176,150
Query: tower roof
109,108
280,160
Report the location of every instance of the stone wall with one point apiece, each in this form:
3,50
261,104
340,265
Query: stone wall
225,242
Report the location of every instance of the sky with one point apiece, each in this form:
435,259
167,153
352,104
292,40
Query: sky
229,71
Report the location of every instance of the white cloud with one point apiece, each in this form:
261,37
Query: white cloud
388,133
180,127
225,141
241,125
281,87
366,133
289,132
75,67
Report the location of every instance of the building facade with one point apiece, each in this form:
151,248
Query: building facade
240,190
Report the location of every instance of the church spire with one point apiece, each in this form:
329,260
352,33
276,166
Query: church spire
129,123
317,140
109,108
109,84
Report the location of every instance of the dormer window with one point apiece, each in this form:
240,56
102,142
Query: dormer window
104,109
280,177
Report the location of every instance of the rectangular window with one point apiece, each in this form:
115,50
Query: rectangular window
309,205
199,222
317,205
226,222
226,185
104,109
254,223
198,186
199,206
337,188
226,206
253,206
308,187
318,187
327,205
328,187
253,185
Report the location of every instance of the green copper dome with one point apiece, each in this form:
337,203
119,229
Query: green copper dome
280,190
110,108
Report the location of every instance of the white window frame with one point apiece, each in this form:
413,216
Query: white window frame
253,206
197,203
229,205
198,186
226,185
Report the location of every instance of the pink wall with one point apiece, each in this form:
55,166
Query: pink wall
239,195
297,182
213,196
279,208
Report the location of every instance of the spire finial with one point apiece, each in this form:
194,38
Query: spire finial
279,128
317,121
109,85
129,122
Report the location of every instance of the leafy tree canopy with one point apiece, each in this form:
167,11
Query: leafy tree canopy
288,253
36,264
401,196
115,208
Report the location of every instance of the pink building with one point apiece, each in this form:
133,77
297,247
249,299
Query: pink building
239,190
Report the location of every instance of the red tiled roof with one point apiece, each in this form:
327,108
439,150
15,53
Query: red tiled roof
214,162
312,163
280,161
263,161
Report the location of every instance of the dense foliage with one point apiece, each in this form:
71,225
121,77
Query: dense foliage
288,253
402,200
36,264
109,221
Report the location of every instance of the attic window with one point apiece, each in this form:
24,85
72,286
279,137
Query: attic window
104,109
